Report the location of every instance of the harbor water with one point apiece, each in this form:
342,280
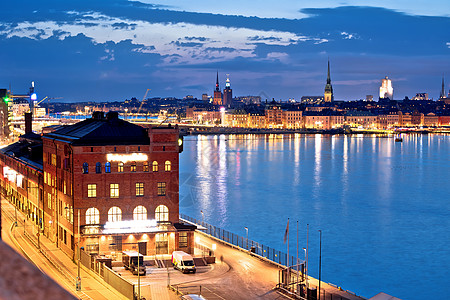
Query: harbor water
383,206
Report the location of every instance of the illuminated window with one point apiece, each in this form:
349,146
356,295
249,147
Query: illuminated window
168,166
92,216
92,190
155,166
140,213
120,167
162,213
182,240
133,166
114,190
108,167
161,188
98,168
145,168
85,168
139,189
114,214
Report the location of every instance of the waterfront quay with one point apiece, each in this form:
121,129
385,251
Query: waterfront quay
233,272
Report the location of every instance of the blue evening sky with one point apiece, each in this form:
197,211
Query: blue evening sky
112,50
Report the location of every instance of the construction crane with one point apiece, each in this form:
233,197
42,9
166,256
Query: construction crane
142,102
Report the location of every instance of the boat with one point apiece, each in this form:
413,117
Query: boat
398,138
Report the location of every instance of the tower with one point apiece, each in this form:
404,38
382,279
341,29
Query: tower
386,89
328,95
227,93
217,93
442,96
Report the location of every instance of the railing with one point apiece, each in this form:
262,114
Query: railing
244,243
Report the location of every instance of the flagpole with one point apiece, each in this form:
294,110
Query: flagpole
306,263
297,258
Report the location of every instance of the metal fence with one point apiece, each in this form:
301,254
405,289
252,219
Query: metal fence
244,243
122,285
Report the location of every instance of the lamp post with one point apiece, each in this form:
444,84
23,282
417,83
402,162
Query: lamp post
246,235
78,282
203,220
320,259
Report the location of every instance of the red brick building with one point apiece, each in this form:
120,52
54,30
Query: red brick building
119,179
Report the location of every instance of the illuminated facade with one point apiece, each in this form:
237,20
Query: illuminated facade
119,179
386,89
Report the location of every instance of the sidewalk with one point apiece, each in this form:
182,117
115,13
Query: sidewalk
56,264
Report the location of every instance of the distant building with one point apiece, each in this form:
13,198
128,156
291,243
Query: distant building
420,96
249,99
205,97
369,97
188,97
217,100
5,114
311,99
386,89
19,107
328,95
227,93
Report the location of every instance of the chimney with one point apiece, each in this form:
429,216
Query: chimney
112,115
28,122
98,115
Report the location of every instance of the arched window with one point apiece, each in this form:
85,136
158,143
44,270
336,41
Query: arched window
140,213
108,167
85,168
114,214
98,168
168,166
120,167
133,166
92,216
155,166
162,213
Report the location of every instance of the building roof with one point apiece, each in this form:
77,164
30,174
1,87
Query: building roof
99,130
16,271
28,150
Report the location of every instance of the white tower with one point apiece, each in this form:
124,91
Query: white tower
386,89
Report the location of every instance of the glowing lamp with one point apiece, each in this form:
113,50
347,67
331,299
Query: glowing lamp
33,97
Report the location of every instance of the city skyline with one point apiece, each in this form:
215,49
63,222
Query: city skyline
85,51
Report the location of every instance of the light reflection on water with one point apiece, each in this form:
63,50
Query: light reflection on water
383,206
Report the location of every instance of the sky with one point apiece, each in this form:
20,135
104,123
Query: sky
91,50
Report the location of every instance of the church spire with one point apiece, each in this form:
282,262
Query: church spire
443,88
217,82
328,95
328,77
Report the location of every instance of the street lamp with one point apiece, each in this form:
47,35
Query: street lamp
246,230
203,220
78,282
320,259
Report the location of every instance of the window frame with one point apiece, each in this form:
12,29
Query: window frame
92,190
114,190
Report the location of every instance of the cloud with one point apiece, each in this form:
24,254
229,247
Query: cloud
280,56
177,43
448,44
349,36
109,55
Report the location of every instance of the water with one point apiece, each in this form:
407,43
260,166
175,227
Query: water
383,207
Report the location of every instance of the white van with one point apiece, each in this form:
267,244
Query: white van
183,262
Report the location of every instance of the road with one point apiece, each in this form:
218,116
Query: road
58,265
